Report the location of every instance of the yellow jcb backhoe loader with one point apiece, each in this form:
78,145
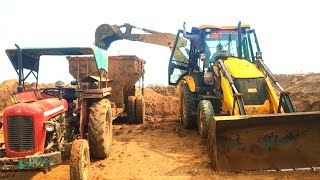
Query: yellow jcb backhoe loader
226,91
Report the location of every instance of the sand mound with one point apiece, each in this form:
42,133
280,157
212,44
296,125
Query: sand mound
164,101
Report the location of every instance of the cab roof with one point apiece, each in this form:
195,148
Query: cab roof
207,26
31,56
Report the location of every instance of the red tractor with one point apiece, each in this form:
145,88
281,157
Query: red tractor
44,125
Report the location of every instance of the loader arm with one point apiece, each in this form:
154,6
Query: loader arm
106,34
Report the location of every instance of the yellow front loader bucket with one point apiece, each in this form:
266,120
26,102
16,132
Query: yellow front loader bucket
265,142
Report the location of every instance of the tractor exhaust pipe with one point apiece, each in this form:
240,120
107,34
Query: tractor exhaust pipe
20,86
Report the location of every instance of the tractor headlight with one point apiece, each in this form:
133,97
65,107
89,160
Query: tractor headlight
49,126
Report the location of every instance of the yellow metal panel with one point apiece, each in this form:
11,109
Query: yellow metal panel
191,83
228,99
240,68
274,99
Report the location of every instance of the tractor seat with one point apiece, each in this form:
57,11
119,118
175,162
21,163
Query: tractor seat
69,94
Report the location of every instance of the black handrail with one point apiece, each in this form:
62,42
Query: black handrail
284,100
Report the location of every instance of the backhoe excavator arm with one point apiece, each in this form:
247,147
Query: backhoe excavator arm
106,34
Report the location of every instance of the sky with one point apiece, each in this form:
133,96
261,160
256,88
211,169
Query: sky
286,30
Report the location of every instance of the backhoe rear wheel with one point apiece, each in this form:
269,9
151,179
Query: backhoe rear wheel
79,160
205,114
140,109
131,110
188,107
100,128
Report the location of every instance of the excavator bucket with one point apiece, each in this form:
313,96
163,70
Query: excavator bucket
106,34
265,142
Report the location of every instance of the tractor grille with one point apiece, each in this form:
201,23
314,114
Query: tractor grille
20,133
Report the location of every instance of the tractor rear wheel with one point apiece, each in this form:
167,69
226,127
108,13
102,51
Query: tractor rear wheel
140,109
79,160
205,114
188,107
100,128
131,113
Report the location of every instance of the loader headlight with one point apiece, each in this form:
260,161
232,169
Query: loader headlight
49,126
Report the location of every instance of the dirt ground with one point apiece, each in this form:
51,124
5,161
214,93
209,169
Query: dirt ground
162,149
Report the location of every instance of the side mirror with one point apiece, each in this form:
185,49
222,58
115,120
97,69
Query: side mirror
75,82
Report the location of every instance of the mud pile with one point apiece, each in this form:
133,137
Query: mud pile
6,89
304,90
161,101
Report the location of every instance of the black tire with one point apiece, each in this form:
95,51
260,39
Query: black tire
100,128
205,114
212,145
140,109
79,160
188,107
131,110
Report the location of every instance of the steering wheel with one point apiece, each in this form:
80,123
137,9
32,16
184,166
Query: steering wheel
51,92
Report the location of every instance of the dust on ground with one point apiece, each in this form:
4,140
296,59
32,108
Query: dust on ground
162,149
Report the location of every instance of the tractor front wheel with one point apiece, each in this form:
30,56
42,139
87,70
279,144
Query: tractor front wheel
79,160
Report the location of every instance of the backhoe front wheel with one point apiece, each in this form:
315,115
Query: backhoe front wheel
205,114
79,160
100,128
188,107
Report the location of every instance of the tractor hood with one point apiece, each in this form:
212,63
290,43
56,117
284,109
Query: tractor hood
43,109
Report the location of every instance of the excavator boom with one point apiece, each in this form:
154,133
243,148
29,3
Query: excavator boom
106,34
